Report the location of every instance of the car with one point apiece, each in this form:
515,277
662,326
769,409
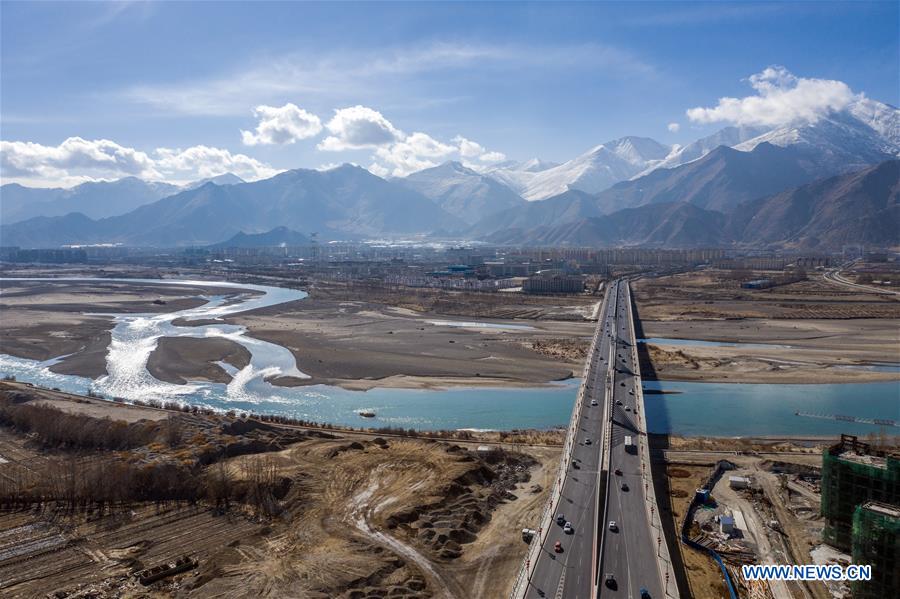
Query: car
624,486
568,528
560,519
618,472
621,384
593,402
557,547
627,408
613,526
575,464
645,594
587,441
611,582
618,402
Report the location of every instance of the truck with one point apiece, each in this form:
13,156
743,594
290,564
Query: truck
629,444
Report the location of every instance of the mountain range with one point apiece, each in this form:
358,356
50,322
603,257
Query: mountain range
462,192
94,199
860,207
628,191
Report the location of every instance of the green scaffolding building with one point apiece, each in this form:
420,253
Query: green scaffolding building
876,542
854,474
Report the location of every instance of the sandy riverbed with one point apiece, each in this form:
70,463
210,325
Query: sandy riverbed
355,344
788,346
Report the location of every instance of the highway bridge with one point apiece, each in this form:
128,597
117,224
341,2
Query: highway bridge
603,479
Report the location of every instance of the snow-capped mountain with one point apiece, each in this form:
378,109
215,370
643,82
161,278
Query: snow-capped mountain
865,133
729,136
518,175
842,142
593,171
461,191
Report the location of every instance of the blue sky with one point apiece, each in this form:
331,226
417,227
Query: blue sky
551,80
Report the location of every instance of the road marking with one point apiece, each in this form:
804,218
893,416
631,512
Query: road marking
562,585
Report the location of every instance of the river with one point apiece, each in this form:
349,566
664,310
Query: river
715,409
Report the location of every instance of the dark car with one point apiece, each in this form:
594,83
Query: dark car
560,519
611,582
618,472
624,486
645,594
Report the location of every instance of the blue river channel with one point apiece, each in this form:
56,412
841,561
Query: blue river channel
709,409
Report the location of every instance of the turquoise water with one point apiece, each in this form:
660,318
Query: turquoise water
710,409
734,409
492,408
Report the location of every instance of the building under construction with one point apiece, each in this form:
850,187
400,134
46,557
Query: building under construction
854,474
876,542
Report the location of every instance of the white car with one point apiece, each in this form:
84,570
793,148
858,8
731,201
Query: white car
593,402
568,529
613,526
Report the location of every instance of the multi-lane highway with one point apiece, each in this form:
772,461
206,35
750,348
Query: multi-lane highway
629,553
590,551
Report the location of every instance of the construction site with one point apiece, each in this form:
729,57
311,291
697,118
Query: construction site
765,502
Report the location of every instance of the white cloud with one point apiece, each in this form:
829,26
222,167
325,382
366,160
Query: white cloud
378,170
200,162
282,125
469,149
395,153
358,127
492,157
673,127
76,160
418,151
781,98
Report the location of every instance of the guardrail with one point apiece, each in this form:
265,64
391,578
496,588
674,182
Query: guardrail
664,561
520,586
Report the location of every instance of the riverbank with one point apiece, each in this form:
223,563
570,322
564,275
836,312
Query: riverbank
72,320
361,345
803,333
351,344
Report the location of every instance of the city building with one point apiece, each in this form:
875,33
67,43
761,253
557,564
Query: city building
553,282
854,474
876,542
